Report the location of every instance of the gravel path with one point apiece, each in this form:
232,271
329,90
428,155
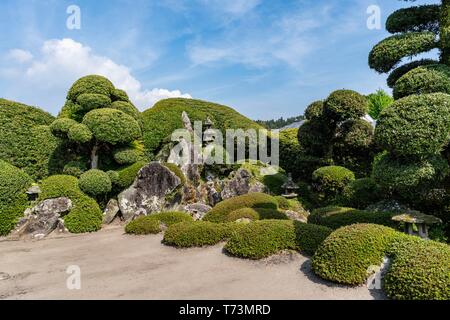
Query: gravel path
118,266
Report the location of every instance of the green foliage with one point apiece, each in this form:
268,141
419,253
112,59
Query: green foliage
420,270
75,168
256,214
361,193
444,33
13,200
346,255
279,123
289,151
425,79
345,104
336,217
91,101
127,108
378,101
314,137
331,180
119,95
128,174
414,19
406,178
95,182
404,69
79,133
389,52
26,141
175,169
309,237
127,156
314,110
113,176
165,117
85,215
152,224
308,164
415,126
199,233
62,126
252,200
112,126
92,84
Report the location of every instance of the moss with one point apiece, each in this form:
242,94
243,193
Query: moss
177,171
128,174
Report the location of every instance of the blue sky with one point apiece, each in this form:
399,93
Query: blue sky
265,58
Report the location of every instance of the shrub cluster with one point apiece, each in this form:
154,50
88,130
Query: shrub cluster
345,104
360,193
330,181
152,224
95,182
255,214
127,174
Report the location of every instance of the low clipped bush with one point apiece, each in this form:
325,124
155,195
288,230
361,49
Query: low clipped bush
345,104
79,133
252,200
95,182
420,270
404,69
85,215
198,233
346,255
255,214
128,174
331,180
360,193
336,217
143,225
13,200
309,237
127,156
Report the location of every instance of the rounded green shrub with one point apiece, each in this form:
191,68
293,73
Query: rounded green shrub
79,133
345,104
143,225
75,168
408,178
422,80
356,134
85,215
309,237
332,179
255,214
252,200
113,176
112,126
198,233
415,126
127,156
346,255
261,239
61,126
415,19
336,217
420,270
127,108
314,110
404,69
289,151
120,95
91,101
128,174
92,84
95,182
361,193
13,200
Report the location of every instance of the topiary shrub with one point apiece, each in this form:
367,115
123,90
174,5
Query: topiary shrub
75,168
91,101
345,104
309,237
62,126
289,151
79,133
255,214
85,215
336,217
404,69
330,181
92,84
252,200
314,110
420,270
360,193
199,233
13,200
128,174
143,225
95,182
127,156
425,79
415,126
346,255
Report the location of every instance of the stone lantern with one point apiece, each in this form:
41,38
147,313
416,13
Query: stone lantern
290,188
417,223
33,193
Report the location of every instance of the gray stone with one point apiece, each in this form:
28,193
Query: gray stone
111,211
197,210
241,184
148,192
296,216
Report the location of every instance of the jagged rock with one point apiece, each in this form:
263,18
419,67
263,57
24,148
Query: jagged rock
197,210
296,216
241,184
111,211
148,192
44,218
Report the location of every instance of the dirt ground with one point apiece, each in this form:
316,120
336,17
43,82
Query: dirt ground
118,266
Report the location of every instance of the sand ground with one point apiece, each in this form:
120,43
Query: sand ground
118,266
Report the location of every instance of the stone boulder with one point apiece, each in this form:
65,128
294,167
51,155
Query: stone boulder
149,190
242,183
44,218
111,211
197,210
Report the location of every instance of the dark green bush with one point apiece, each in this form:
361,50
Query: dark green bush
92,84
143,225
85,215
424,79
274,182
360,193
314,110
120,95
91,101
420,270
199,233
62,126
75,168
128,174
404,69
255,214
289,151
346,255
414,19
345,104
252,200
113,176
415,126
127,156
79,133
13,200
331,180
112,126
354,134
336,217
314,137
309,237
95,182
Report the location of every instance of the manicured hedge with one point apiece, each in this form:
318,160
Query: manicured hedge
346,255
128,174
252,200
336,217
255,214
413,19
13,200
345,104
85,216
361,193
309,237
95,182
91,84
404,69
420,270
314,110
152,224
331,180
199,233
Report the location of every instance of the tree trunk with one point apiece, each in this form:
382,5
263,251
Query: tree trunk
94,157
445,32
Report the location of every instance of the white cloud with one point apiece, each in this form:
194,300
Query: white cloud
61,62
19,55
